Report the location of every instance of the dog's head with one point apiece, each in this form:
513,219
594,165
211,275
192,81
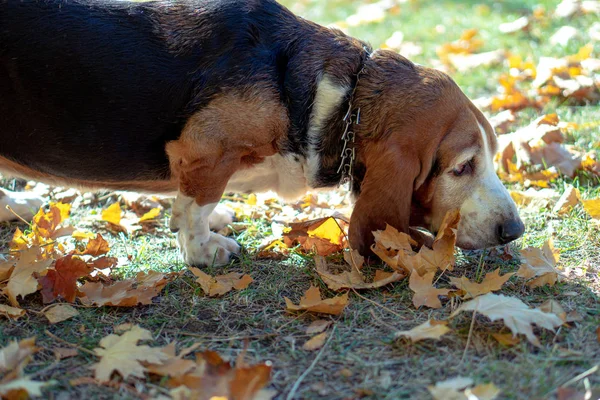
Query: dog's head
427,150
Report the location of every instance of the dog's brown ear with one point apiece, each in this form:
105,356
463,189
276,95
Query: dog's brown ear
386,192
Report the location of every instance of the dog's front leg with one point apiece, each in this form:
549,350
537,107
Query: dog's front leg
198,245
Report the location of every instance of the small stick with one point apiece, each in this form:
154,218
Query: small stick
290,395
9,208
53,336
378,305
469,337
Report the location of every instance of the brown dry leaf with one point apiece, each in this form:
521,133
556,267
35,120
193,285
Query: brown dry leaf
324,235
568,200
354,278
213,378
554,307
517,316
425,293
391,238
123,293
61,281
21,388
592,207
506,339
312,301
492,282
64,352
431,329
95,247
316,342
539,265
122,354
459,388
22,279
60,312
174,365
13,359
17,355
221,284
112,214
317,326
11,312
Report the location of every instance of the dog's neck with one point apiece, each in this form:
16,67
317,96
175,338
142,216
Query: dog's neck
332,154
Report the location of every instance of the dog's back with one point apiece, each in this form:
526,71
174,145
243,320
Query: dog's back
117,80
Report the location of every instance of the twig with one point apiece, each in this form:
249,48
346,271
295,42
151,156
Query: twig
53,336
292,392
381,322
226,339
582,375
9,208
378,305
469,337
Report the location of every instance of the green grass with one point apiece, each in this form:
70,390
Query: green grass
381,367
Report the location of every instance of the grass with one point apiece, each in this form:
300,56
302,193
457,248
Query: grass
363,359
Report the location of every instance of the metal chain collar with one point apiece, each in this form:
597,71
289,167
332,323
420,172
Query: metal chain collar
351,118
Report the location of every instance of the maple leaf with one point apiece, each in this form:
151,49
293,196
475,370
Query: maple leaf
317,326
425,293
123,294
174,365
459,388
592,207
123,354
554,307
59,313
112,214
491,282
150,215
62,279
22,281
95,247
11,312
517,316
391,238
431,329
354,278
312,301
568,200
539,264
316,342
17,355
22,388
323,235
221,284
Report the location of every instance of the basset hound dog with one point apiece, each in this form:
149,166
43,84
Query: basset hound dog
204,97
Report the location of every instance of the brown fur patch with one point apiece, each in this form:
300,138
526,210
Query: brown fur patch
14,169
236,130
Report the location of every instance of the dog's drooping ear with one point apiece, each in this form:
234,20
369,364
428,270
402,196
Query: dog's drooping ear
386,192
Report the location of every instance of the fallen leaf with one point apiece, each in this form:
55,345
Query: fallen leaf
324,235
506,339
60,312
64,352
425,293
17,355
150,215
11,312
123,354
95,247
174,365
112,214
316,342
22,279
492,282
517,316
354,278
554,307
592,207
391,238
22,388
61,281
459,389
221,284
538,266
431,329
520,24
317,326
311,301
568,200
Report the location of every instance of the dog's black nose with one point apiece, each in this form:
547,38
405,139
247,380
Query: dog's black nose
510,230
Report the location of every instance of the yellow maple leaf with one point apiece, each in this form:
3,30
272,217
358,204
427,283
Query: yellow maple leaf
150,215
124,355
329,230
312,301
592,207
112,214
491,282
221,284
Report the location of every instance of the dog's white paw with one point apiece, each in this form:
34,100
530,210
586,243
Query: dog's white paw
24,204
217,250
220,218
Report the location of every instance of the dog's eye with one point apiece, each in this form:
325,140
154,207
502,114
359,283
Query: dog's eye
463,169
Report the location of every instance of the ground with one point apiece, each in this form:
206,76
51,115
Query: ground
362,359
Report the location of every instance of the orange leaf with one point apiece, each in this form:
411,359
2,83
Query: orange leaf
311,301
62,279
491,282
96,247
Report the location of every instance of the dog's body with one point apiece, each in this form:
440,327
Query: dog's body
201,97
